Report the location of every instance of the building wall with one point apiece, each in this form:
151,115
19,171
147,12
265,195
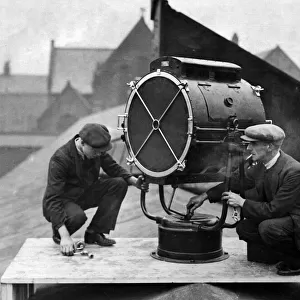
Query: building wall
65,110
19,112
112,88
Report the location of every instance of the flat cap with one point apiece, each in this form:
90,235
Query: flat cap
265,133
96,136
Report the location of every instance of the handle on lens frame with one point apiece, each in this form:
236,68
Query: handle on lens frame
221,223
146,213
158,219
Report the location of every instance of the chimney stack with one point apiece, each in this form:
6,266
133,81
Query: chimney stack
6,69
235,38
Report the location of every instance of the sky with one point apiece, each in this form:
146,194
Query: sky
27,27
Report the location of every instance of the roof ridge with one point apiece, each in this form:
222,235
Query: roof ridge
83,48
24,75
138,27
81,97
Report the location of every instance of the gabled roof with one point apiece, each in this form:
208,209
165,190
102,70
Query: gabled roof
49,117
23,84
139,39
131,59
76,65
279,59
76,96
264,54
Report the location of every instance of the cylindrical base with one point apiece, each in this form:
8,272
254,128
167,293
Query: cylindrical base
182,241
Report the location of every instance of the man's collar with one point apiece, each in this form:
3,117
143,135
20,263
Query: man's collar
78,148
272,162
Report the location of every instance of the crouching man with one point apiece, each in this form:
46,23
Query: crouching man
74,186
272,205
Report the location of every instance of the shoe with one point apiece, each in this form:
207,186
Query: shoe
281,265
262,254
98,238
285,269
55,237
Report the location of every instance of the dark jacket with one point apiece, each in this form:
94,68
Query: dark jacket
69,176
272,193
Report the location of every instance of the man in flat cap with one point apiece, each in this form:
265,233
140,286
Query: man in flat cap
74,186
272,199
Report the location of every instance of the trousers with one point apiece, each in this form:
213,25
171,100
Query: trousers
105,194
277,234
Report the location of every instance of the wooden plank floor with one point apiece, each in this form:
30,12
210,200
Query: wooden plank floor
39,261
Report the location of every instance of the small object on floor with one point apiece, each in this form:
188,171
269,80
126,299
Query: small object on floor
85,253
80,245
80,250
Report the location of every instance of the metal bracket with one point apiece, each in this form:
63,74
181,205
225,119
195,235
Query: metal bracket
132,84
236,216
257,89
233,86
181,166
204,85
184,84
129,161
122,120
190,126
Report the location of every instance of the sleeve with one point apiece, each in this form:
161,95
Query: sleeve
113,169
282,203
57,175
215,193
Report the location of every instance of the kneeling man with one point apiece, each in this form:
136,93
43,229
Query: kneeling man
272,204
74,186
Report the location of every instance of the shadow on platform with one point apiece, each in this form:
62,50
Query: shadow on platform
245,291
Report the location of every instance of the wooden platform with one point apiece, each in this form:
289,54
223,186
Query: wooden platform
40,262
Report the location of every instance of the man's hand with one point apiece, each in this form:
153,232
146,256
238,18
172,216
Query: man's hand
67,246
141,184
195,202
233,199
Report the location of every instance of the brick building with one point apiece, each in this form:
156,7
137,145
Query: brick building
23,98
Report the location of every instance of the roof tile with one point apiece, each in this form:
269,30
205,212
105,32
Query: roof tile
23,84
76,65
